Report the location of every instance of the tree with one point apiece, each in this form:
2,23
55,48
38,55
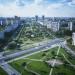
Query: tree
12,45
44,54
66,63
23,64
61,73
53,52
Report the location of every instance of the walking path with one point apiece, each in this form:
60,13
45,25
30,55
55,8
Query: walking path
29,70
68,60
54,61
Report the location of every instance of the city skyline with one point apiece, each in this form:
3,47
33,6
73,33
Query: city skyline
29,8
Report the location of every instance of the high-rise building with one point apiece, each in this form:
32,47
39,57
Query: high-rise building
73,38
1,35
1,22
70,25
36,18
12,22
7,21
55,26
47,23
43,19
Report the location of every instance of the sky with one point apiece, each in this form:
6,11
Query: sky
29,8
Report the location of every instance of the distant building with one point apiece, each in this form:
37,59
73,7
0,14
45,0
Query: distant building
36,18
17,20
1,22
1,35
55,26
73,38
12,22
7,22
40,22
71,26
48,24
43,19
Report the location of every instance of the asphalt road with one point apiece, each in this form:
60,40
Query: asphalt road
10,70
68,50
34,49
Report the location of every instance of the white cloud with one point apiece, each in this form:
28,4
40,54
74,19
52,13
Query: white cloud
73,2
37,1
35,8
70,3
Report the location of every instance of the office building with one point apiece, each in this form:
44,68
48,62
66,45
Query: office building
71,26
73,38
55,26
1,22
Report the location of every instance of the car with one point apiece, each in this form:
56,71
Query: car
36,47
13,74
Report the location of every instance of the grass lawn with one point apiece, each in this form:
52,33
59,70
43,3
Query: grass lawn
68,56
43,68
63,70
18,66
47,53
37,66
40,67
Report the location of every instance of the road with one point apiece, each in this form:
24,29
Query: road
33,49
70,51
6,67
11,70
